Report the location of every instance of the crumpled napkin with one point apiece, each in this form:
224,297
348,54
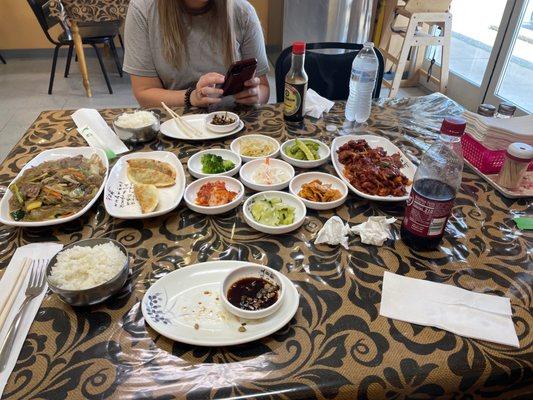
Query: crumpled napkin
334,232
315,104
374,231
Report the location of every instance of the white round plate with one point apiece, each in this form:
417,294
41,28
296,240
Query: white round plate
194,165
287,198
171,129
170,306
231,184
323,152
222,128
373,141
119,199
51,155
235,146
336,183
247,172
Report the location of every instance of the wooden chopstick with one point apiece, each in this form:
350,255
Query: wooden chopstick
185,126
15,289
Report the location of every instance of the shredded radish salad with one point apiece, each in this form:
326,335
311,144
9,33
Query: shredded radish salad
267,174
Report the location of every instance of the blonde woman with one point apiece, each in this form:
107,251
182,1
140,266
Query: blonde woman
178,51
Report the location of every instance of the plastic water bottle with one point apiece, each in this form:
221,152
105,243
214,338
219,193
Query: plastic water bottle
362,82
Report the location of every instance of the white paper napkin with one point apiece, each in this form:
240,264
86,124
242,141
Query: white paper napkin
34,251
375,230
99,134
334,232
315,104
465,313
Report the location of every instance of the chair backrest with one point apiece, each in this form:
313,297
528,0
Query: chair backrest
41,9
329,74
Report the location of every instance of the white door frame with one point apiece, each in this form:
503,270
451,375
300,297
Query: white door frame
469,94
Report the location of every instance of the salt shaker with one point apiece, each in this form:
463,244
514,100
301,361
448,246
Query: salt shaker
517,159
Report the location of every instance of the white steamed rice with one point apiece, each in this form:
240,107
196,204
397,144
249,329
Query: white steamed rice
137,119
81,268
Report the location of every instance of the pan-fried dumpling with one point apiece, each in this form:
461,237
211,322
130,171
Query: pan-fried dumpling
147,163
146,196
150,177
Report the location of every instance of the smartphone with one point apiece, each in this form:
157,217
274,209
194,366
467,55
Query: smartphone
238,73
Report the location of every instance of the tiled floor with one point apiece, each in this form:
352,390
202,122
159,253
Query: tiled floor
24,87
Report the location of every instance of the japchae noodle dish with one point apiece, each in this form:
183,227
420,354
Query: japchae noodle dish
56,189
371,170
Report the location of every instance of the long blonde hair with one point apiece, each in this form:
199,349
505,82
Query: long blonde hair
173,22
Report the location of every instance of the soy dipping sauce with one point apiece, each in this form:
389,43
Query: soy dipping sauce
253,294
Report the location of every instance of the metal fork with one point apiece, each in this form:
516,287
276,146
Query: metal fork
35,287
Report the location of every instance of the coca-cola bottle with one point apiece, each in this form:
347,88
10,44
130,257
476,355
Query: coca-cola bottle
435,186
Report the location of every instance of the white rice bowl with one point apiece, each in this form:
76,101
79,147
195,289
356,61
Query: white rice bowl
80,268
137,119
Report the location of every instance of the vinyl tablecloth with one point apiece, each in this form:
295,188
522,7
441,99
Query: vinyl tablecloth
337,346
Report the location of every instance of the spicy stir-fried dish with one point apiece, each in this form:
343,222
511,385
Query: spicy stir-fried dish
372,171
56,189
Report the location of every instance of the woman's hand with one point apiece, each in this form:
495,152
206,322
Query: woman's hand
250,95
206,93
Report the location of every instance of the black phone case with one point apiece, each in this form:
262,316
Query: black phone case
238,73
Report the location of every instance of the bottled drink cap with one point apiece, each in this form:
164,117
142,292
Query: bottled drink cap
298,48
520,152
453,126
368,44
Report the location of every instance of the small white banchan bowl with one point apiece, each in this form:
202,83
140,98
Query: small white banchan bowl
287,198
231,184
194,165
221,128
298,181
323,152
248,170
236,148
252,271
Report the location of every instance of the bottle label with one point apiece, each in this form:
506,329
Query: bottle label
426,217
292,100
362,76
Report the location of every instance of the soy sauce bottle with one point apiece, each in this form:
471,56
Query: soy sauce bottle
295,86
435,186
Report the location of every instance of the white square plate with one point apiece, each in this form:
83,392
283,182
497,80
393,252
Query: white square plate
119,199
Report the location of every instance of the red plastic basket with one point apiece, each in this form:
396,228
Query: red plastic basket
485,160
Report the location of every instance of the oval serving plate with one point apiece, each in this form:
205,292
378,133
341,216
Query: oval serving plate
171,129
50,155
171,307
119,199
373,141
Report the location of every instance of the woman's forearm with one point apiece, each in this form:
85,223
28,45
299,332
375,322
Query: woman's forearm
264,93
154,96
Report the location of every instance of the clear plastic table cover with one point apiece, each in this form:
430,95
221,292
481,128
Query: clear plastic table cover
337,346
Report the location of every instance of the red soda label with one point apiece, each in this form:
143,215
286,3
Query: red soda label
425,216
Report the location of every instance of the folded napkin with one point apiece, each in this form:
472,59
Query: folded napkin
96,132
34,251
315,104
465,313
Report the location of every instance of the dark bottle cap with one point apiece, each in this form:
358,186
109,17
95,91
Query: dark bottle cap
454,126
298,48
487,110
506,109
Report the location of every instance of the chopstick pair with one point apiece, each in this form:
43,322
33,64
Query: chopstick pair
187,128
15,289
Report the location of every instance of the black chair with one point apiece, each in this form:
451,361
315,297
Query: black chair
2,59
329,74
92,34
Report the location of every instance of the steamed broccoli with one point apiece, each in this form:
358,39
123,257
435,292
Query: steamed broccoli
213,164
